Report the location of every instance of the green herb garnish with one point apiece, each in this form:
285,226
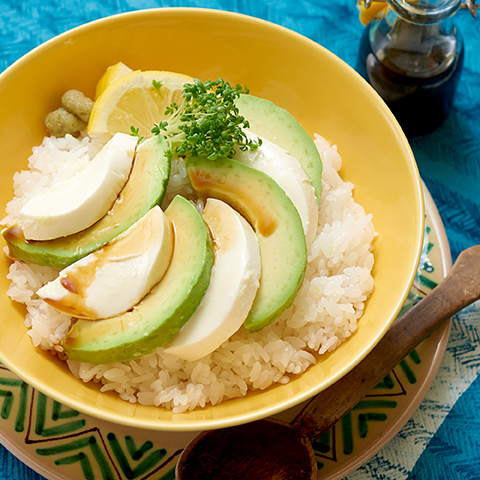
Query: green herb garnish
134,132
156,86
207,122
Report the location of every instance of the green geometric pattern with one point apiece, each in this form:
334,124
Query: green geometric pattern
17,389
147,464
52,422
65,436
86,450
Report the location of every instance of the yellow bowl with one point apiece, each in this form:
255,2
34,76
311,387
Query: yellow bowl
318,88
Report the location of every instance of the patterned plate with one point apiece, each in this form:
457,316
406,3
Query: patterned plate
63,444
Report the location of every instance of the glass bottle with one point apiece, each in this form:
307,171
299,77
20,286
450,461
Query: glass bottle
413,57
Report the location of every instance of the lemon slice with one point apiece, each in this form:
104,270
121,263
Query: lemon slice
112,74
132,100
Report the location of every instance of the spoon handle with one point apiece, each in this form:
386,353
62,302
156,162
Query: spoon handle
460,288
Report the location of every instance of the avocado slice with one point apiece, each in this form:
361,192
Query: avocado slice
162,312
277,125
277,225
144,189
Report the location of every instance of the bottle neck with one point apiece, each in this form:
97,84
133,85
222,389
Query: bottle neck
424,12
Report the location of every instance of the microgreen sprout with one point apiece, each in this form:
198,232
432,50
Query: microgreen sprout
156,86
134,132
207,122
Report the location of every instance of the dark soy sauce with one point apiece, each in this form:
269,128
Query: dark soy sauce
420,104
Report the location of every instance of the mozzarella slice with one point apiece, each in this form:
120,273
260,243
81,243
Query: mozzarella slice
116,277
232,289
289,174
80,201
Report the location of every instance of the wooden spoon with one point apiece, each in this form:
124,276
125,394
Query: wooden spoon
270,449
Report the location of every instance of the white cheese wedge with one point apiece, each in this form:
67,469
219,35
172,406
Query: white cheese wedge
116,277
232,289
289,174
77,203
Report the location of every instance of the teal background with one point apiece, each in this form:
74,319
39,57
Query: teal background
448,160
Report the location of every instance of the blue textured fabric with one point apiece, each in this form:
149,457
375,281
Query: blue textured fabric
450,455
12,469
448,160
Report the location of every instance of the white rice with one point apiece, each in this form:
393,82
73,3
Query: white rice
325,312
